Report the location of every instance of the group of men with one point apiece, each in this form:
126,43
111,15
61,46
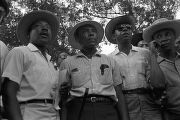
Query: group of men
132,83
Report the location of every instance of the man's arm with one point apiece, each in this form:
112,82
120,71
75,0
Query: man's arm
156,76
10,102
121,104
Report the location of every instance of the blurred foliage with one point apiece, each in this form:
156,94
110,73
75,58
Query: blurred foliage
71,12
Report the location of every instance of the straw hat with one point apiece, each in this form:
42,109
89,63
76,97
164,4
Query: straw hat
126,19
72,40
160,24
26,21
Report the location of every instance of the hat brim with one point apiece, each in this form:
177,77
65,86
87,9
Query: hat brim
151,30
26,21
113,22
72,40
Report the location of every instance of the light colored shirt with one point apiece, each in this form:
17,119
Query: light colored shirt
171,72
3,52
134,67
35,75
100,74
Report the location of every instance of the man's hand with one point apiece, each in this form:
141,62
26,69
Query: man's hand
64,89
153,49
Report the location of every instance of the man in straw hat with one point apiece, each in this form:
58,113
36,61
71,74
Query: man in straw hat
29,74
96,83
163,34
134,62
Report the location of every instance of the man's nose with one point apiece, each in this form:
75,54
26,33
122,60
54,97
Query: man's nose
91,33
124,29
44,28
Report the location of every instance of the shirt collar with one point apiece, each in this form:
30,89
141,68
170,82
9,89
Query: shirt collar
116,51
178,54
135,49
33,48
80,54
161,59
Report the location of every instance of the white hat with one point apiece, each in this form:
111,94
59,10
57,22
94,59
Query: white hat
30,18
72,40
160,24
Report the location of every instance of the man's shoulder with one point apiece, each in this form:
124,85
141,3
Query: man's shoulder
143,51
20,50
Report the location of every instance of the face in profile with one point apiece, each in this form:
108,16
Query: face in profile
87,36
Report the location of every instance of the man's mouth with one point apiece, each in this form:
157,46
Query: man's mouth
44,35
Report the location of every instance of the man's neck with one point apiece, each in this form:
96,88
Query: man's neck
125,48
89,52
170,55
42,48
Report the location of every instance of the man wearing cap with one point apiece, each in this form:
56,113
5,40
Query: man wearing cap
29,74
163,33
135,69
95,80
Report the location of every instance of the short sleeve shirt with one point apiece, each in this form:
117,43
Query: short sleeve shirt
134,67
100,74
35,75
171,72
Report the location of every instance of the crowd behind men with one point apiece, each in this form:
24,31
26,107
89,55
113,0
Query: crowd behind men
132,83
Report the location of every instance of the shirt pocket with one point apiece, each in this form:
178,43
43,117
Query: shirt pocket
78,77
141,66
106,76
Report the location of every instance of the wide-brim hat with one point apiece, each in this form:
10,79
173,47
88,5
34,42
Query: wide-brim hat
126,19
28,19
72,39
161,24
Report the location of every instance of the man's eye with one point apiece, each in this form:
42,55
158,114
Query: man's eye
168,34
119,28
158,36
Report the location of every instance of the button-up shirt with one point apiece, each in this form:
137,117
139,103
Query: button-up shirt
34,73
134,67
100,74
171,70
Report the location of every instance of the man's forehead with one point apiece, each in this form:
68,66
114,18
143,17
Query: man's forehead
124,25
165,30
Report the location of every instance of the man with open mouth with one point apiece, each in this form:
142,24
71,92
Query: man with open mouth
29,74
